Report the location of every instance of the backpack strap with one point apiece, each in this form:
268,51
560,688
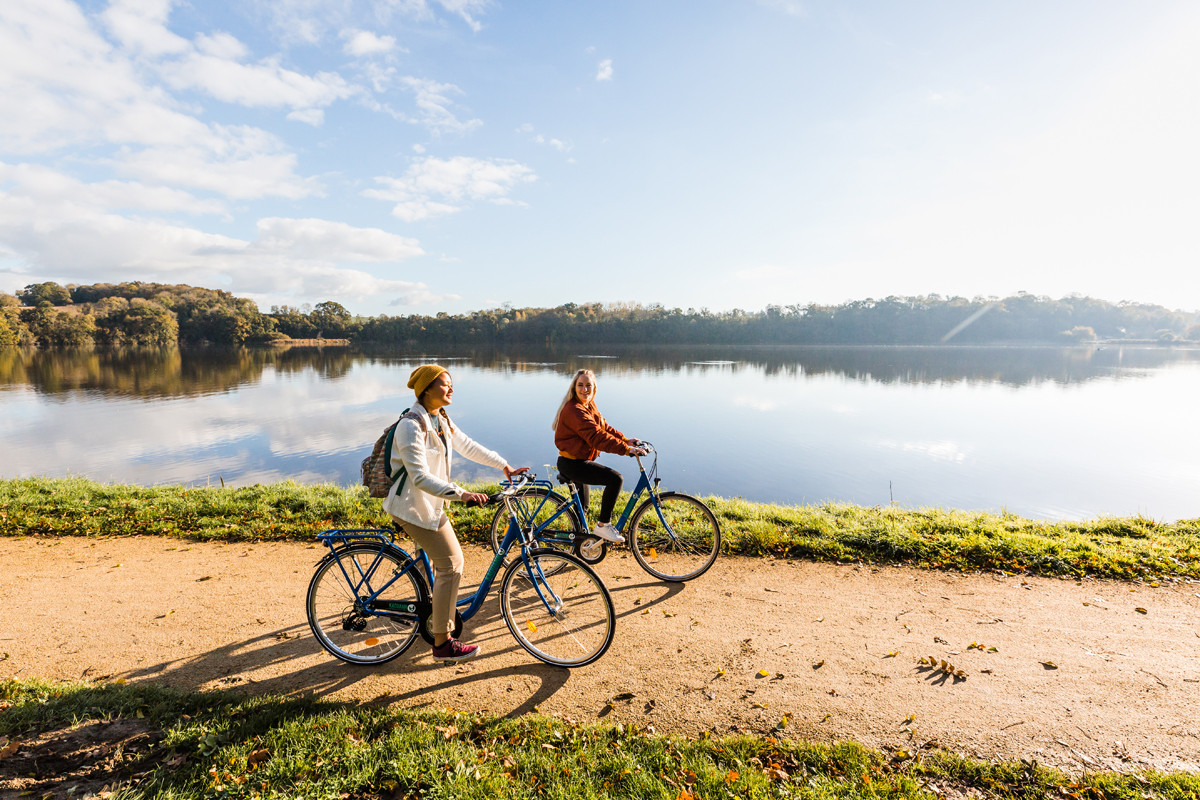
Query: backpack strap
402,475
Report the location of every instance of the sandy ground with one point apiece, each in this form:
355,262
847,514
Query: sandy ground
840,646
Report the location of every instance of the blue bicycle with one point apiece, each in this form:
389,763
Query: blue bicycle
369,600
673,536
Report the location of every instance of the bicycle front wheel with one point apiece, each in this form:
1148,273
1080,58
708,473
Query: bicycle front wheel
557,608
675,539
337,612
560,534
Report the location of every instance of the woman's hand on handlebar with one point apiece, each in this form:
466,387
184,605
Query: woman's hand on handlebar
475,498
509,471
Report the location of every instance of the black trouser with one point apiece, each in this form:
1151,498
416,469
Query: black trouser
581,474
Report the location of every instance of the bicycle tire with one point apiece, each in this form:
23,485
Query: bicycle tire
337,617
567,525
682,551
579,629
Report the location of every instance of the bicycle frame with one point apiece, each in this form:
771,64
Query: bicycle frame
643,485
467,607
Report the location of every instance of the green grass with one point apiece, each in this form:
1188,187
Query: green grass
1110,547
178,744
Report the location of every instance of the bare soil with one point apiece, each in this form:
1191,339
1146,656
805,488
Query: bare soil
1080,676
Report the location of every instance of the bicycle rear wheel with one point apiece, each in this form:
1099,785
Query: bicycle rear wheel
560,534
337,613
557,608
679,545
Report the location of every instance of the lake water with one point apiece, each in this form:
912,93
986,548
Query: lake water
1050,433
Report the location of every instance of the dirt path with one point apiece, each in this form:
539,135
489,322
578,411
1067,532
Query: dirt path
1123,696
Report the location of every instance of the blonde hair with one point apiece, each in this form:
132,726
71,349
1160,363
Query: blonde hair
572,395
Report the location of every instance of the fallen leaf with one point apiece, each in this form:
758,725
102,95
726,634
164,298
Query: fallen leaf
892,654
819,664
1048,664
768,589
205,578
637,602
653,554
1140,610
826,717
529,624
757,704
8,749
762,673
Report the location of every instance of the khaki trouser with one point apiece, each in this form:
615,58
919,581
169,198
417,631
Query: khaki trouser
444,553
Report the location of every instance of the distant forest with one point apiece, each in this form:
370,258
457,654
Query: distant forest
155,314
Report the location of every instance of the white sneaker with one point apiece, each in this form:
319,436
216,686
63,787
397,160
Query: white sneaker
608,533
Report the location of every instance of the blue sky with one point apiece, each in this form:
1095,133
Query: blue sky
416,156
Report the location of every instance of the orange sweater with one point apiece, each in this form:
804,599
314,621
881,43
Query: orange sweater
582,433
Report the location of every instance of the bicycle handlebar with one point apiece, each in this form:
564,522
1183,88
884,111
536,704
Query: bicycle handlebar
515,484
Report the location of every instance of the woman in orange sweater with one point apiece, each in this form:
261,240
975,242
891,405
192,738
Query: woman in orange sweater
580,434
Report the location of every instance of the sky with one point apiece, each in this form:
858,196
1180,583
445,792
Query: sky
420,156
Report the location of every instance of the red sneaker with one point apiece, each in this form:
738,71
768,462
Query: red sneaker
453,651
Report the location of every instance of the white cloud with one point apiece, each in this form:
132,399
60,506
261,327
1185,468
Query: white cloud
239,162
605,71
309,116
309,21
537,138
433,187
45,190
141,25
275,286
323,240
365,43
264,84
434,103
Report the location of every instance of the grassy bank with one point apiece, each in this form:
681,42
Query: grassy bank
147,741
1124,548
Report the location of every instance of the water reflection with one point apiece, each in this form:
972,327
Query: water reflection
150,373
1042,432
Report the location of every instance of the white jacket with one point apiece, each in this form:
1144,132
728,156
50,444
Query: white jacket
420,450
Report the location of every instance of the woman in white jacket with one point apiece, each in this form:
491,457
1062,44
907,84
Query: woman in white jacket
424,443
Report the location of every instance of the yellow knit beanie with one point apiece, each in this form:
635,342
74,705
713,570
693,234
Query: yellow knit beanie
422,376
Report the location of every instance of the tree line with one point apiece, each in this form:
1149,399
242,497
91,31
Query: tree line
152,314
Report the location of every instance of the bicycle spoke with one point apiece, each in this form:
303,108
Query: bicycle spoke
675,539
558,609
338,615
